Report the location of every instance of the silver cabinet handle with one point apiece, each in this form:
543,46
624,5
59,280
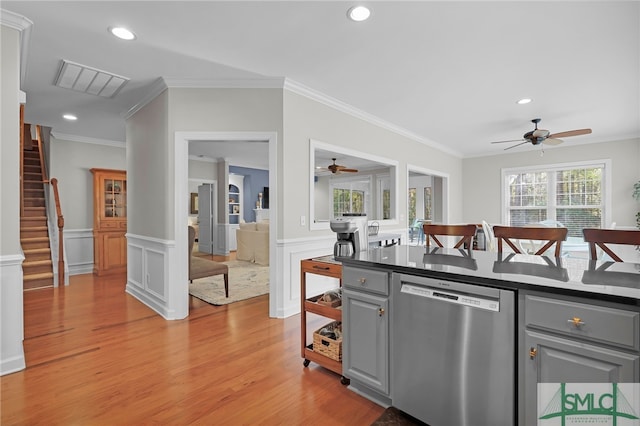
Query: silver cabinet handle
362,280
576,322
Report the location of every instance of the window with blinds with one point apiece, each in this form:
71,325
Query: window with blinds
570,196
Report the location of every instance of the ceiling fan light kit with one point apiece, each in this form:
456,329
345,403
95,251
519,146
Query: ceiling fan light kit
539,136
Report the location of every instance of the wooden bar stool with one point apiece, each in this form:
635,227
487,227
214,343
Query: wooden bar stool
600,237
467,232
550,235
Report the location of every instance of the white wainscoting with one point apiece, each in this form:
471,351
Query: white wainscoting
291,253
153,276
11,311
78,245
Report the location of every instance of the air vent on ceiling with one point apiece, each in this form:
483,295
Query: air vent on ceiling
90,80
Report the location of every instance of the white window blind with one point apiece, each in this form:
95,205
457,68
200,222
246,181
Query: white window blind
572,196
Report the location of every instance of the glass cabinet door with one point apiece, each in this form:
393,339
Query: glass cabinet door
115,198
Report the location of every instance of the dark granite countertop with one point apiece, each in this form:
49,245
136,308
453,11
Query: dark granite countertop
610,281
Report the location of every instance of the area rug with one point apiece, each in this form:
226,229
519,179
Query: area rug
246,280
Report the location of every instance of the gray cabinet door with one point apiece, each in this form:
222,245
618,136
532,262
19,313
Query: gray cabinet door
366,339
561,360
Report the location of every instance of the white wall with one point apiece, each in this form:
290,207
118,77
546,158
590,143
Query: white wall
11,257
482,186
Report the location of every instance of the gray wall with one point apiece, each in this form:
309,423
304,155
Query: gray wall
199,171
10,143
150,172
308,119
223,110
481,180
70,163
11,312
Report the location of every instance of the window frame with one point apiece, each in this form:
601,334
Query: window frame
552,168
363,184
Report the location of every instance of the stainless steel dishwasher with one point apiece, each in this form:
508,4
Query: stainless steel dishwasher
453,352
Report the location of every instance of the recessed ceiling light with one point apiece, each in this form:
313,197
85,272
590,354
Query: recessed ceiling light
70,117
523,101
358,13
122,32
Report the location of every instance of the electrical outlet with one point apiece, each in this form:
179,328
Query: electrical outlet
303,220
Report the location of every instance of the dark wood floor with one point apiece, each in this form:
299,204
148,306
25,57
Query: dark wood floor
97,356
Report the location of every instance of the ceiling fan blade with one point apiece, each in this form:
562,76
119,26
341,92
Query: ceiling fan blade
511,141
513,146
552,141
349,170
570,133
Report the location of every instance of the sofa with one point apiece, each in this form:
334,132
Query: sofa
253,242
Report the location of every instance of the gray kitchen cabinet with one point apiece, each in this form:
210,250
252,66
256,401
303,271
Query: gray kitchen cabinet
569,341
365,306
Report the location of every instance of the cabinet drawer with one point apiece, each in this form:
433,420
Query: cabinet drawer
366,279
322,268
109,224
605,324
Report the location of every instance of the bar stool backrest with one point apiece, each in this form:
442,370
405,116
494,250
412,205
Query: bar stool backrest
550,235
601,237
466,232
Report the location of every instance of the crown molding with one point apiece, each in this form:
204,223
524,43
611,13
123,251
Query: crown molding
157,87
339,105
294,87
85,139
14,20
238,83
24,25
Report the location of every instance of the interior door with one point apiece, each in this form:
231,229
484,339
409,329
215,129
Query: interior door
206,218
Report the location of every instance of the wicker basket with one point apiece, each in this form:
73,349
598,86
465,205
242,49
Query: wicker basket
373,228
326,346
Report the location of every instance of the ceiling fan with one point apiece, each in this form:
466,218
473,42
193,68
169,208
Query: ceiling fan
336,168
538,136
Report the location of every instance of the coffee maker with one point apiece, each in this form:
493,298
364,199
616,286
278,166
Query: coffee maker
348,239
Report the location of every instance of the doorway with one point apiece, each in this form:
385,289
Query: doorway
217,142
427,201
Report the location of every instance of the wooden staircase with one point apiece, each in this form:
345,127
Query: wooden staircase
34,236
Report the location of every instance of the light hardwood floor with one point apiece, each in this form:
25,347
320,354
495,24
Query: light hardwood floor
97,356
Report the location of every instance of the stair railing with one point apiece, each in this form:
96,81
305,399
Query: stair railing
56,196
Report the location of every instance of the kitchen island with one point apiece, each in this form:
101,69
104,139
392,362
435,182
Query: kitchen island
425,328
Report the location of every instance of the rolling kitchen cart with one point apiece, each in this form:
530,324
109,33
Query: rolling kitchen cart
329,267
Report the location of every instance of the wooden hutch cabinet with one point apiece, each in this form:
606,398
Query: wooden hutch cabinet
109,221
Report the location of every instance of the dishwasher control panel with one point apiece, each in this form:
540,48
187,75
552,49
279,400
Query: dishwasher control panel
451,297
